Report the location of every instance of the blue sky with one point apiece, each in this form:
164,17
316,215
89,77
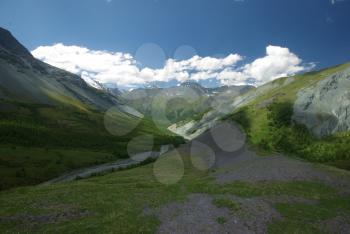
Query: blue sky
316,31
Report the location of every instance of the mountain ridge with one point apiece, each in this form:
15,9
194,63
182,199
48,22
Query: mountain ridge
25,76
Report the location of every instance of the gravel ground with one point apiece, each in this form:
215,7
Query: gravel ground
234,161
199,215
339,225
278,168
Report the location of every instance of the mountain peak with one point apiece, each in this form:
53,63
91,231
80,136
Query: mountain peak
191,84
9,43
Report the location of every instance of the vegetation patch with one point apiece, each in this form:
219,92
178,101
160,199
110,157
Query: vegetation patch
272,130
308,218
39,142
221,220
267,121
226,203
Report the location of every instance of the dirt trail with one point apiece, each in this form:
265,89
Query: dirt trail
88,172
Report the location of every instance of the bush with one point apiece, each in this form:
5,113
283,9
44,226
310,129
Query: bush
293,138
241,117
21,173
280,114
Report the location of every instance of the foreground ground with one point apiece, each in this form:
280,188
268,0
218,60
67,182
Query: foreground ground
211,185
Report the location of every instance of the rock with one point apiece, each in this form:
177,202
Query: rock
325,107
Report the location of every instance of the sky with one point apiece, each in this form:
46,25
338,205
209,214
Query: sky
215,42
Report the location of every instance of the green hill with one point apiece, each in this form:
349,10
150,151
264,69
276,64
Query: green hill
272,124
304,115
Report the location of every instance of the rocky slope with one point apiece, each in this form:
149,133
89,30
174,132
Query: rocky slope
325,107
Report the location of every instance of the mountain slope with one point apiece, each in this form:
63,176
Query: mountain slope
52,122
325,107
304,115
189,101
26,79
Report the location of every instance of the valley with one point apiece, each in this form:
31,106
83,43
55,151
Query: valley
242,192
79,156
52,122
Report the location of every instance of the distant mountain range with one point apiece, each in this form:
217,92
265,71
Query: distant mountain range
321,101
185,102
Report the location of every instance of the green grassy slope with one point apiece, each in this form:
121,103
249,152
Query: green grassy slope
51,121
39,142
267,121
123,202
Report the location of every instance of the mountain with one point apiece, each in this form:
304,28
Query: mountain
27,79
112,88
195,86
55,123
304,115
185,102
52,121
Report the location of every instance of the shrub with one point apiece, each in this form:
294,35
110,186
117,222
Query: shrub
280,114
241,117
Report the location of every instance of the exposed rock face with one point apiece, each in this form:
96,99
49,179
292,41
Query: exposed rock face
325,107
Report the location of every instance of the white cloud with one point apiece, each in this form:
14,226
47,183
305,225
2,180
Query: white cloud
102,66
122,68
278,62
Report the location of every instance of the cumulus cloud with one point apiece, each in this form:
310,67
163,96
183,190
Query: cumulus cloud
278,62
123,69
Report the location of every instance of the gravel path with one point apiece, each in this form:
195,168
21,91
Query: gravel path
90,171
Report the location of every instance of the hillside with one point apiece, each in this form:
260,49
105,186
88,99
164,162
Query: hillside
189,101
51,121
204,186
304,115
26,79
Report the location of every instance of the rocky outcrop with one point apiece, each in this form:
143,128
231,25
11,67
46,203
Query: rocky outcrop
325,107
